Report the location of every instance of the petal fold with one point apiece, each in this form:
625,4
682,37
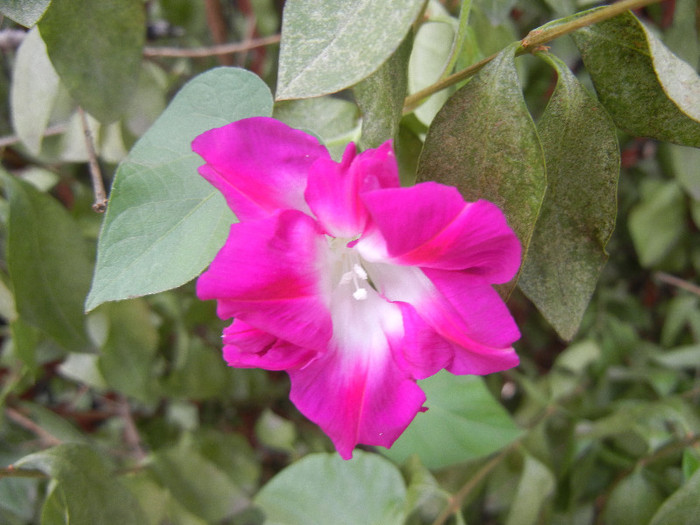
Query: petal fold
270,275
248,347
356,392
333,191
445,232
259,164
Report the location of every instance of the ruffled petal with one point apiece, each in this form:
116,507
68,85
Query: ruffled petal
271,275
445,232
356,392
259,164
248,347
333,191
460,308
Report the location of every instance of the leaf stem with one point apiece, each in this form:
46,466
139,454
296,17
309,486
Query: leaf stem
12,472
533,40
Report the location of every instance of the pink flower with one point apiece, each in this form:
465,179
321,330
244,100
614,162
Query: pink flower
354,286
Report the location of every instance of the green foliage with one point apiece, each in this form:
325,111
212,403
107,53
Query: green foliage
159,179
322,488
96,49
316,66
129,415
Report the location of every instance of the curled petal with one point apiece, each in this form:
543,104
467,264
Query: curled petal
248,347
460,308
269,275
445,232
356,392
259,164
334,189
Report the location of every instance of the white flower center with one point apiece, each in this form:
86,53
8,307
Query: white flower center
348,269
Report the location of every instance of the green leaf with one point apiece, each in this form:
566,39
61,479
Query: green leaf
463,422
34,90
88,488
567,251
333,120
164,223
323,488
683,165
331,45
658,221
647,89
96,49
683,507
197,483
380,98
48,264
536,485
126,358
428,62
25,12
483,141
633,500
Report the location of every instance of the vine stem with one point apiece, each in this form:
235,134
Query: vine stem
98,186
677,282
534,39
456,501
201,52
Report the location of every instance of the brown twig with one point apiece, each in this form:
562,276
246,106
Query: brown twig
11,140
47,439
677,282
201,52
100,204
217,26
131,433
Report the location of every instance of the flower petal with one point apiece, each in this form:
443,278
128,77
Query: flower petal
259,164
356,392
270,275
248,347
460,308
333,191
445,232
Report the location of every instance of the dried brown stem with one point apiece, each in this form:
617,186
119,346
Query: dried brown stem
47,439
100,204
201,52
677,282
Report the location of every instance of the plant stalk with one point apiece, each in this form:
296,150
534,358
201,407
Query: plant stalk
533,40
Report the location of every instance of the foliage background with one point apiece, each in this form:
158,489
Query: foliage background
129,415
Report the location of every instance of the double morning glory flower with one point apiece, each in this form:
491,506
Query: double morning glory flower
353,285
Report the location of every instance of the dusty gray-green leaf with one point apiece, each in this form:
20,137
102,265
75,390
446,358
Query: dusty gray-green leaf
657,222
567,251
463,422
90,493
48,264
333,120
484,142
34,90
323,488
380,98
331,45
96,49
164,222
647,89
25,12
